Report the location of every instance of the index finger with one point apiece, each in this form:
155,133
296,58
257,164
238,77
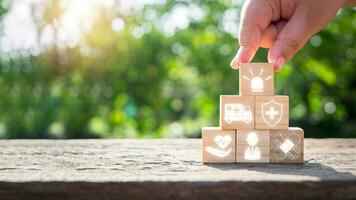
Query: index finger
256,16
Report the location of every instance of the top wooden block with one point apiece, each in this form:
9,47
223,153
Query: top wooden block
256,79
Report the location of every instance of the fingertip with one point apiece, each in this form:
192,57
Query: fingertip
244,55
272,55
279,63
235,62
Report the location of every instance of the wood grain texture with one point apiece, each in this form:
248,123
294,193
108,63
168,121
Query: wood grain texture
167,169
262,146
265,102
260,73
218,146
228,119
293,136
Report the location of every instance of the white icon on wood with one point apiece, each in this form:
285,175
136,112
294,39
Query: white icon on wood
257,81
252,152
222,142
272,112
238,113
285,144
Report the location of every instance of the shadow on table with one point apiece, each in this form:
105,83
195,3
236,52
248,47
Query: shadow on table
309,168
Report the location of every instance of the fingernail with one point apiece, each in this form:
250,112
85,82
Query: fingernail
279,63
244,55
236,61
233,62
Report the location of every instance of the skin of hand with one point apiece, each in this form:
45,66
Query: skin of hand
283,26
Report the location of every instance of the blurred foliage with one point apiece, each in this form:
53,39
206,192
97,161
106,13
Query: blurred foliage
144,82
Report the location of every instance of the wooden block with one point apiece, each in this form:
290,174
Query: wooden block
218,146
272,112
257,79
253,146
287,146
237,112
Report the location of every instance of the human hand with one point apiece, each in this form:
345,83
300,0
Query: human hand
283,26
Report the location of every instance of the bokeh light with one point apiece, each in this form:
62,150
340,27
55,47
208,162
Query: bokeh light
154,68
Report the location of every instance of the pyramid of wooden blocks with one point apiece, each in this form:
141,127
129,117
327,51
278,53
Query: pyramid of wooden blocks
254,126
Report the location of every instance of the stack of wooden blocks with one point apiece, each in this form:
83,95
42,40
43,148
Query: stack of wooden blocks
254,126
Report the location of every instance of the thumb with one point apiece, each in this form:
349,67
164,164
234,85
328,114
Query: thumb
290,40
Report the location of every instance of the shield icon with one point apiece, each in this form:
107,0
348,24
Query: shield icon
272,112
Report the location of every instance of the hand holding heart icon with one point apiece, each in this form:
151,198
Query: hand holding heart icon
222,141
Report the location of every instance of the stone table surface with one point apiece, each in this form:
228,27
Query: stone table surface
168,169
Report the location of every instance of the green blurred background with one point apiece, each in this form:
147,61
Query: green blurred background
154,68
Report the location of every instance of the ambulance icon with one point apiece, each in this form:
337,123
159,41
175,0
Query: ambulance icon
237,113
